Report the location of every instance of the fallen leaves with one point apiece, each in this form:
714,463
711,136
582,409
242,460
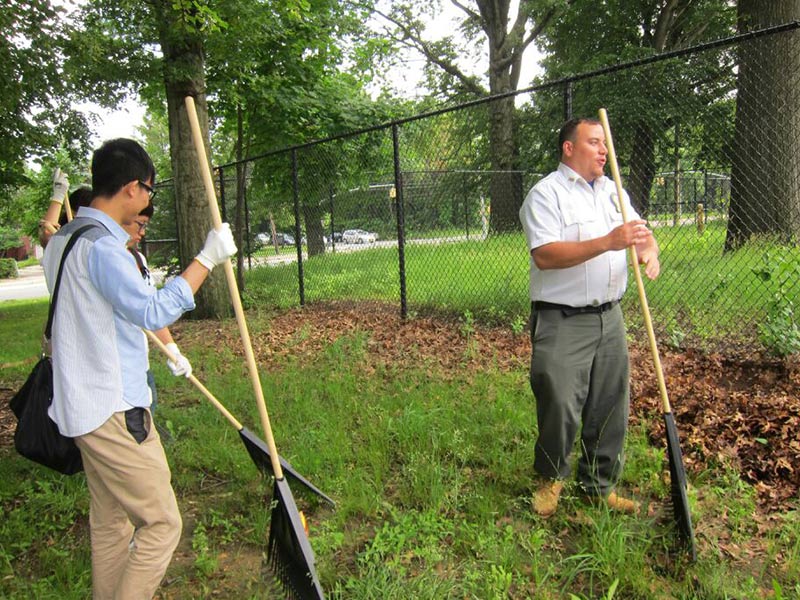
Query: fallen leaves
737,410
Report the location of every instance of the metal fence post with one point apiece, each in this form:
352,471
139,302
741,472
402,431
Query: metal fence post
333,239
247,226
567,100
401,242
297,240
464,193
222,193
677,218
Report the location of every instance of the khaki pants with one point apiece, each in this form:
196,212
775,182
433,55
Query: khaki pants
130,490
580,378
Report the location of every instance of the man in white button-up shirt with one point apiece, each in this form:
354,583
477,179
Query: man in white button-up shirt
100,393
579,366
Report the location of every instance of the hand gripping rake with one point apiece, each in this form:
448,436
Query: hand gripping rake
289,551
256,448
680,502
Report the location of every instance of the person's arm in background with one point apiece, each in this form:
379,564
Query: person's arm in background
48,225
182,366
218,248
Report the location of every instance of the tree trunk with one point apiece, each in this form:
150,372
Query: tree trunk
241,182
765,177
184,76
312,216
643,166
505,187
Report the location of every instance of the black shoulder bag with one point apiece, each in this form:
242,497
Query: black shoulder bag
37,437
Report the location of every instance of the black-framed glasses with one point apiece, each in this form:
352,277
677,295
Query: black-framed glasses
149,189
142,226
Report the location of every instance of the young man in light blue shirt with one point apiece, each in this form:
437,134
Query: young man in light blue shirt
100,396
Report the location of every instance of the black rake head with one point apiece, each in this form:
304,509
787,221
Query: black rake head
290,555
678,485
259,452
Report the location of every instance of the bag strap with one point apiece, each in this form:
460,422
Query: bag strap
52,311
142,269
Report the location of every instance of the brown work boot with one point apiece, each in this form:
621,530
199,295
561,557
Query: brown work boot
622,504
545,500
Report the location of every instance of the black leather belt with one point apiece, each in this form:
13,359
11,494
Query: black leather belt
570,311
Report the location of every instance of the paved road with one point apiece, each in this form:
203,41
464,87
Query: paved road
30,284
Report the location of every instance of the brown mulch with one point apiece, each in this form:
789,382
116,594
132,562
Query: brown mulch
740,410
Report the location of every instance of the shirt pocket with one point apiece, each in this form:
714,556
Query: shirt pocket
580,226
614,211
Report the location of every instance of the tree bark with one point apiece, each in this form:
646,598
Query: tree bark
184,76
312,216
765,184
505,56
643,166
239,230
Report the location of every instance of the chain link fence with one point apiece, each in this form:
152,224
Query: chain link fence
419,212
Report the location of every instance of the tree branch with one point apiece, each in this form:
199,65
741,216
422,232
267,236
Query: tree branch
470,13
412,39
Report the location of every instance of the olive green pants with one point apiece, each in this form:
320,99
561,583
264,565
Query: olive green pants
580,378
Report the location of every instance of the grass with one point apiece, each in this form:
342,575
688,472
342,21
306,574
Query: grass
22,323
702,296
432,476
28,262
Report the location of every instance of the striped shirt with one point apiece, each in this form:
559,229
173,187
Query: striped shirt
99,353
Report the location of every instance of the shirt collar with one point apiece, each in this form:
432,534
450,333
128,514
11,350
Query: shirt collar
572,177
98,215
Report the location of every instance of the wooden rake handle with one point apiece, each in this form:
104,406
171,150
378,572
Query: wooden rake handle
651,335
67,207
217,404
233,288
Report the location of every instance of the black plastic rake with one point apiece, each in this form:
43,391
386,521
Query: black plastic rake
256,448
289,551
677,472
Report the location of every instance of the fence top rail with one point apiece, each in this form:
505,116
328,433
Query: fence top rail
462,171
723,42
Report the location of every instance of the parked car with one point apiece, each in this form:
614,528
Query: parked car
359,236
337,236
284,239
264,238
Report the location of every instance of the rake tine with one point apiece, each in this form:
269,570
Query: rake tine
289,553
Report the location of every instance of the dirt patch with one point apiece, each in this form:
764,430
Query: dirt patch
742,410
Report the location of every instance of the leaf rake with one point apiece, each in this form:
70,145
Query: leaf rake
678,484
289,551
259,452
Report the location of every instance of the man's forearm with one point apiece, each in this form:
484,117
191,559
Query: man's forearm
195,274
562,255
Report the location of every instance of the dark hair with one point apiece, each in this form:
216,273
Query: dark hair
80,197
118,162
148,210
568,129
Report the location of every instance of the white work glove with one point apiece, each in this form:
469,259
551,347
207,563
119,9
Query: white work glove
181,366
218,248
60,186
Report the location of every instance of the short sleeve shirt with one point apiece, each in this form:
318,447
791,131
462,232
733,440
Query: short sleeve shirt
563,207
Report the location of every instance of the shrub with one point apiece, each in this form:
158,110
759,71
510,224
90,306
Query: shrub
8,268
9,238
